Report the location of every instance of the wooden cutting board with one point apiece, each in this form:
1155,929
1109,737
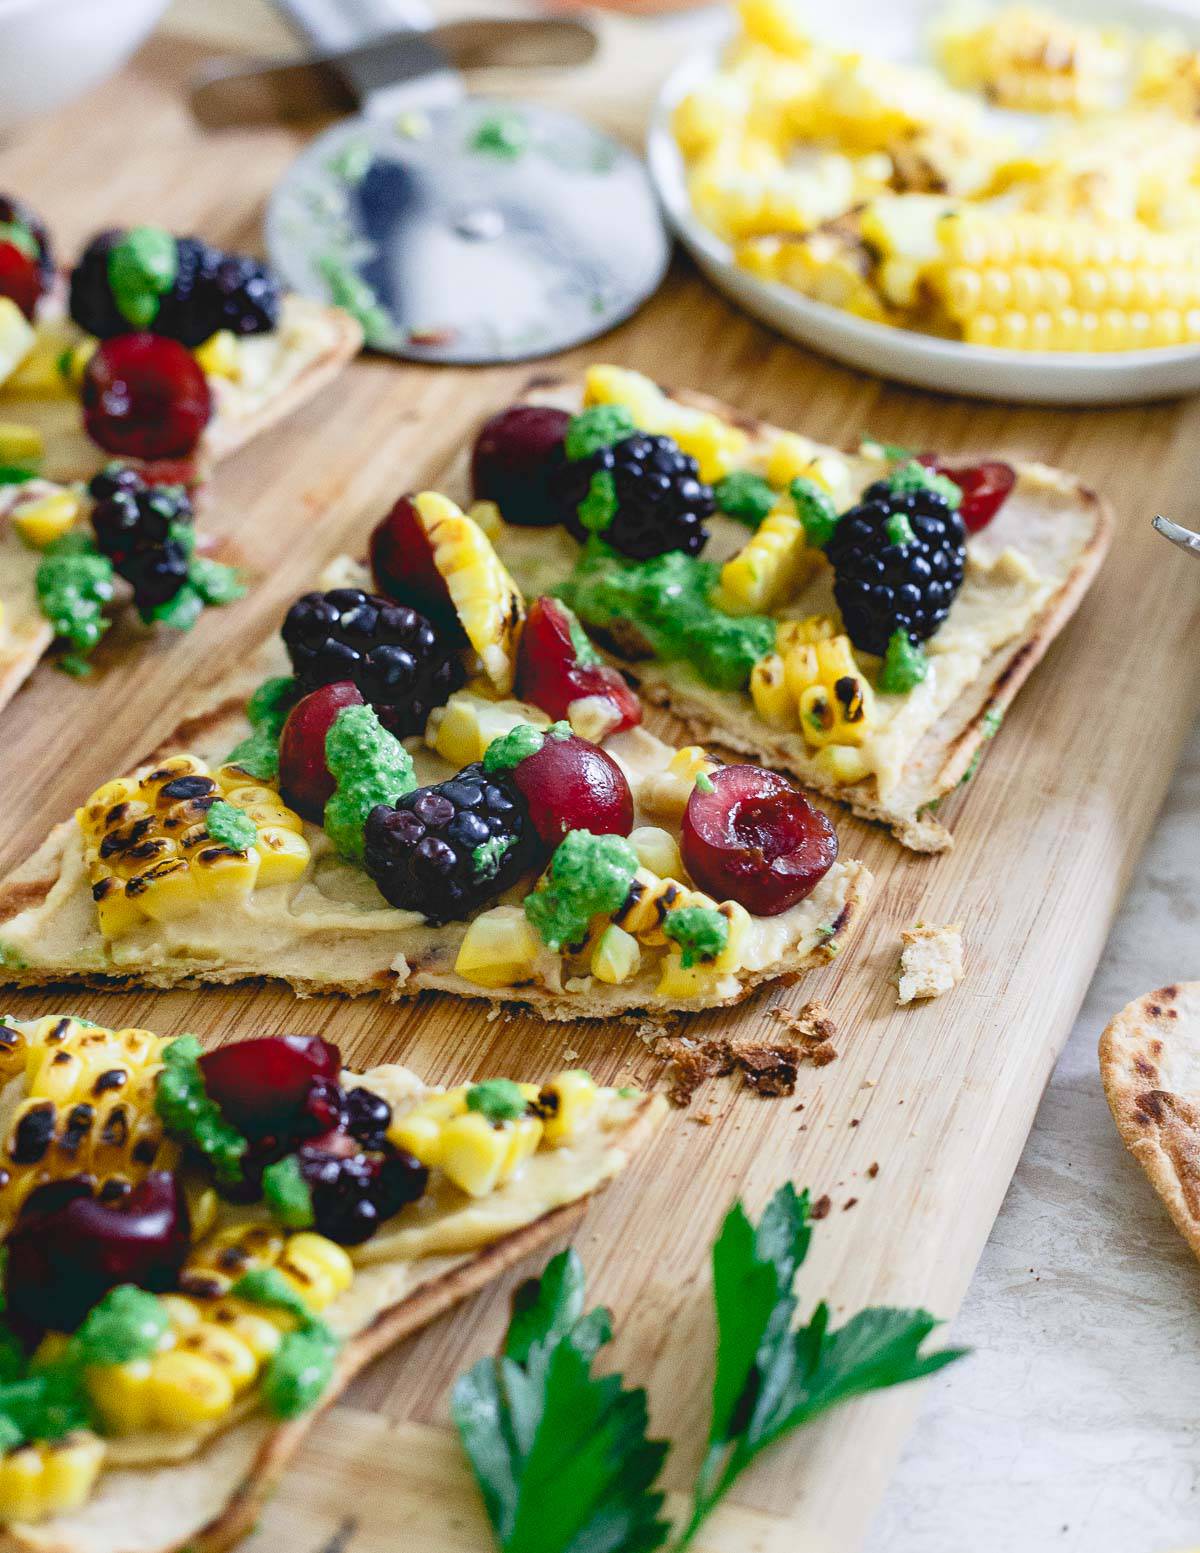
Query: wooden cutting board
914,1132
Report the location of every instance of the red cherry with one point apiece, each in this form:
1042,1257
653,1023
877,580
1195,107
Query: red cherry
551,675
404,569
145,396
571,784
756,840
985,487
20,278
511,462
69,1249
304,780
262,1086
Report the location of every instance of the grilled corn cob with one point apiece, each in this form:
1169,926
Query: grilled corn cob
771,566
149,853
87,1108
1028,282
474,1152
711,441
485,598
49,1477
216,1346
1031,60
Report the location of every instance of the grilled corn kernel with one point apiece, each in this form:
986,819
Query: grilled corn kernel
461,730
20,444
42,518
843,763
769,691
565,1102
217,1262
150,856
666,793
49,1477
1029,60
220,1348
656,850
318,1269
16,338
255,1331
770,568
616,956
835,703
220,356
500,948
712,442
485,598
474,1153
188,1389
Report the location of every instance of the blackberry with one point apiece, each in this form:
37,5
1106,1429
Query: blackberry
368,1117
885,582
399,663
354,1192
212,290
448,849
144,531
15,212
661,502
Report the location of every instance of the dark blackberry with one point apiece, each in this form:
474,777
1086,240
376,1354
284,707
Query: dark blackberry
248,295
661,502
448,849
91,299
142,528
157,575
368,1117
15,212
886,581
353,1192
190,312
400,664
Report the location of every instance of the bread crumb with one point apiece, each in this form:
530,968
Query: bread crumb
873,1169
931,961
767,1067
570,1056
820,1209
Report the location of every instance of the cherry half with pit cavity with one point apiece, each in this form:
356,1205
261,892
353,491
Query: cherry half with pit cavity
145,396
552,674
756,840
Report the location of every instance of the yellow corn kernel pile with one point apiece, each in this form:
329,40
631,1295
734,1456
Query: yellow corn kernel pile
216,1346
499,948
461,730
710,440
87,1108
49,1478
150,856
485,598
641,918
812,682
772,566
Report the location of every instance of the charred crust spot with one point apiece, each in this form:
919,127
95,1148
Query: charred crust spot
1169,994
1016,668
1146,1069
1149,1106
1155,1011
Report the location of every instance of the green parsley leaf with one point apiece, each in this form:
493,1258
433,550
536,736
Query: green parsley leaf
916,477
215,582
546,1308
141,270
489,854
267,711
179,613
815,509
499,1099
589,876
129,1323
369,766
74,583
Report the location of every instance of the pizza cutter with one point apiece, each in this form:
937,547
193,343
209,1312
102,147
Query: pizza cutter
459,228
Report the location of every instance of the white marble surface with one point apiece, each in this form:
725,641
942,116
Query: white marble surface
1075,1423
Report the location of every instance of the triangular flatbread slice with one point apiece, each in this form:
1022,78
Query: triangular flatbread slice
1026,574
203,1486
1150,1064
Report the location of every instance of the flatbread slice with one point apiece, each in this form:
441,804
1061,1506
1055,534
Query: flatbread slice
204,1487
1150,1065
331,931
1027,573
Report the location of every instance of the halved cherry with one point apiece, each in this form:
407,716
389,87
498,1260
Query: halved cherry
304,780
263,1085
511,462
754,839
404,569
553,675
985,487
20,278
69,1248
145,396
572,784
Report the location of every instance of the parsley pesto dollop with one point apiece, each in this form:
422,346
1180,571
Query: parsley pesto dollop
370,766
589,876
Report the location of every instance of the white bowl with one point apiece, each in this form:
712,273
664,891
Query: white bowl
53,50
977,371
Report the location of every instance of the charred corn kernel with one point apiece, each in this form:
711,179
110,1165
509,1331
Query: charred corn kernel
187,1389
1030,60
773,701
789,455
220,1348
711,441
487,516
679,981
500,949
564,1103
49,1478
667,792
255,1331
16,337
833,698
121,1396
317,1268
461,730
656,850
616,956
41,518
86,1106
216,1263
843,763
20,444
812,628
485,598
220,355
149,853
770,568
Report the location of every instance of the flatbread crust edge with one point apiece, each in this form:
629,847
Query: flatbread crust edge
951,745
31,882
237,1516
1142,1051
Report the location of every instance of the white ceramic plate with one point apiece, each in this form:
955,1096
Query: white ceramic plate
981,372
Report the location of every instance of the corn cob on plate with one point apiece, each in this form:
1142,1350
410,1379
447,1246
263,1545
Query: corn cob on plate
825,184
890,758
134,889
269,1308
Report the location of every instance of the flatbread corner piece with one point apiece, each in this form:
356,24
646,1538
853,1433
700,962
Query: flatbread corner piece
1150,1066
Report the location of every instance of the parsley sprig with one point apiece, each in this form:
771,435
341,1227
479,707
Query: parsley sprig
562,1456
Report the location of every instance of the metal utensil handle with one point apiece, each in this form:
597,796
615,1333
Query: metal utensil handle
329,25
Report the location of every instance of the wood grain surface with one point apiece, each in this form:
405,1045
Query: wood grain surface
939,1097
